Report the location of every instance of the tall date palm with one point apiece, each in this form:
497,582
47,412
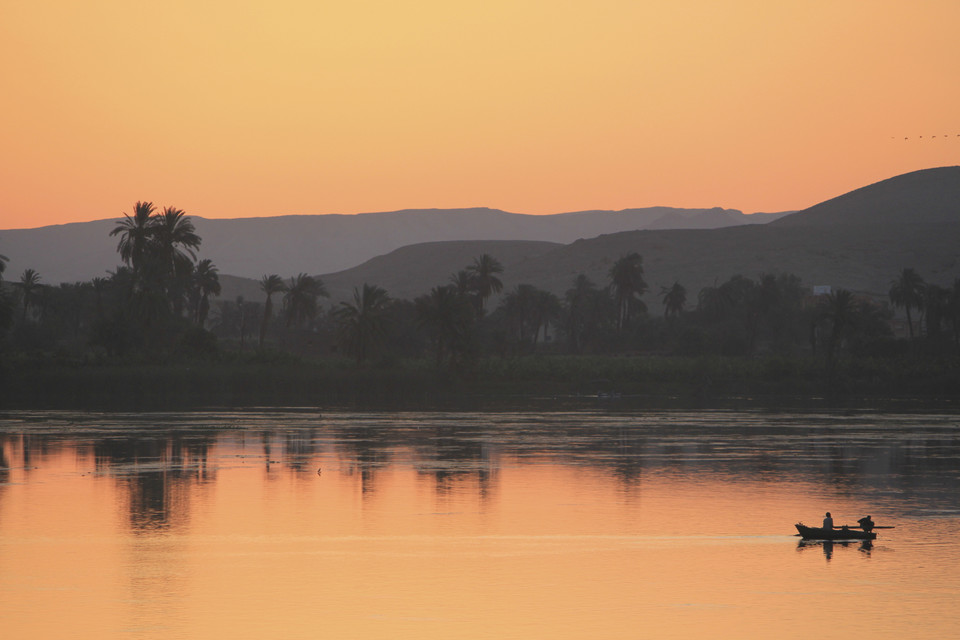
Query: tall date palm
269,285
136,232
626,276
907,292
484,272
206,283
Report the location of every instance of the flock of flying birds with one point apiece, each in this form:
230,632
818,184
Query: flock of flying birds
927,137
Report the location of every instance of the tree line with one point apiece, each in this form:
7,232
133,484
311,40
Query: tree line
162,301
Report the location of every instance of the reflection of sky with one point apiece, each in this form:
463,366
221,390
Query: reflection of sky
499,525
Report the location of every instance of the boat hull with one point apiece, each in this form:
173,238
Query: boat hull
815,533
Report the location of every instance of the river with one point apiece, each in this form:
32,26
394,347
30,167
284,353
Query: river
582,524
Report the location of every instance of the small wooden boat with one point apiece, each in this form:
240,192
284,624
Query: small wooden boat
816,533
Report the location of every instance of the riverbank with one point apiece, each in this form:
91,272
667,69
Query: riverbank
280,380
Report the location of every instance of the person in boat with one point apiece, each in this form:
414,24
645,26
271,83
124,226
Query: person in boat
866,524
828,522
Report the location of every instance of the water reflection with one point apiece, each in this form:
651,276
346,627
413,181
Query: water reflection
908,459
474,525
863,546
156,472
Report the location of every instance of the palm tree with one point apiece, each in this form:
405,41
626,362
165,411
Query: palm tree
674,299
953,309
206,283
29,286
446,314
936,307
907,292
269,285
6,311
484,270
173,245
135,233
6,302
839,310
300,301
712,302
626,275
463,281
175,237
546,309
361,323
583,311
519,307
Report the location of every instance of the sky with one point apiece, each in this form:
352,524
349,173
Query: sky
256,108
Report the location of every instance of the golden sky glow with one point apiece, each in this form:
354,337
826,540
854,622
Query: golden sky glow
236,109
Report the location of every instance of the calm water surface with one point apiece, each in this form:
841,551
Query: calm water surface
291,524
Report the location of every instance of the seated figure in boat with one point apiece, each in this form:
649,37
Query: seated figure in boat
866,524
828,522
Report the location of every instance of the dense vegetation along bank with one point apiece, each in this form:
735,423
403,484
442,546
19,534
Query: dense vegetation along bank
285,381
153,334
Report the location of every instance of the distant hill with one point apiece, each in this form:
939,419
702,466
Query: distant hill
920,197
415,269
861,259
287,245
840,243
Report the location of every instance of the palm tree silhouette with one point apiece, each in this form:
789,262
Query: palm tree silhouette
269,285
907,292
29,286
484,270
135,233
300,301
519,307
175,238
206,283
674,299
6,301
840,310
362,322
584,310
626,275
446,314
953,310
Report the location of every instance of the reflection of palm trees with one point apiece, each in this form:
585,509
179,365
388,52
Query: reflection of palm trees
364,450
156,472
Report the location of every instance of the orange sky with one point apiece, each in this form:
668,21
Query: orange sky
243,108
